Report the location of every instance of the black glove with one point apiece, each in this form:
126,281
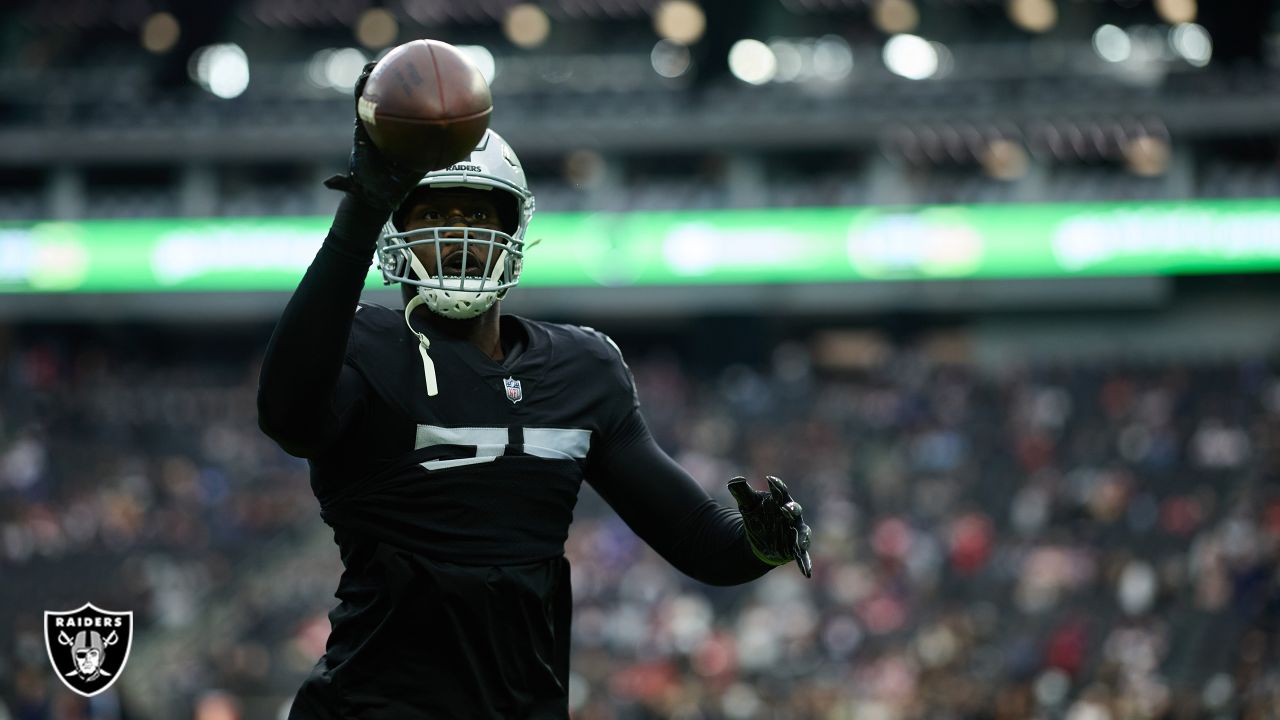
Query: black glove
775,528
371,177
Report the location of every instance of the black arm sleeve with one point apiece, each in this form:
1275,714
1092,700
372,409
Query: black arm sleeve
307,396
670,511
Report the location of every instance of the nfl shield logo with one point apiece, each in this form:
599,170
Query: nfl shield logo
514,393
88,646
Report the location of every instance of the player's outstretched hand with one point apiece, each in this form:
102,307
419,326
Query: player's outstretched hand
371,176
775,527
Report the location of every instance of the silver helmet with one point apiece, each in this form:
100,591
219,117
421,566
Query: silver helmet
492,166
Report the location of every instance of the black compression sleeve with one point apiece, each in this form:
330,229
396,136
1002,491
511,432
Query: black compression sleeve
671,512
304,395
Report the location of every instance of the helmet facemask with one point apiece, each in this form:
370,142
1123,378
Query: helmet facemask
460,290
491,259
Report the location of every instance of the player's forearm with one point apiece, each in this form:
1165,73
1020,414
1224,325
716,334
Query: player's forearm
305,354
712,547
674,515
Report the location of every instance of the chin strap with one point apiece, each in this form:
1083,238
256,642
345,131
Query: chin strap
447,301
428,367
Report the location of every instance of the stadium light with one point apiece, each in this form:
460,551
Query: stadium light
376,28
342,68
160,32
483,60
221,69
526,25
670,59
680,21
911,56
895,16
1147,156
832,58
584,168
1004,160
790,60
335,68
316,66
825,59
1176,12
1035,16
1112,44
1192,43
752,61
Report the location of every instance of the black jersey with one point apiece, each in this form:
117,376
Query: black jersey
488,470
451,511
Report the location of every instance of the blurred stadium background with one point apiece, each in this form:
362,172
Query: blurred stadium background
991,284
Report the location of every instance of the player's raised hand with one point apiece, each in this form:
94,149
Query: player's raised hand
371,176
775,527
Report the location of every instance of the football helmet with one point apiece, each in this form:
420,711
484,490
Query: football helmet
492,167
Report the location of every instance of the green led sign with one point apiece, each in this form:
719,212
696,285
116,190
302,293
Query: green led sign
803,245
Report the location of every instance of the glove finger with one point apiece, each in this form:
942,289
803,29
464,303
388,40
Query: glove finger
778,489
804,537
364,77
792,509
362,135
806,564
365,145
801,538
746,498
341,183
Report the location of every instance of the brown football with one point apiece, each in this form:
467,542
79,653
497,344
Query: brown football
425,105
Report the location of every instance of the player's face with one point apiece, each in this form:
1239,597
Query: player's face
454,208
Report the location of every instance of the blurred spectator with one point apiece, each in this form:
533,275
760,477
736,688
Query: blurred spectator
1078,541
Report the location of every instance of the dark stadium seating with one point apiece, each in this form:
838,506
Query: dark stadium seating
1061,536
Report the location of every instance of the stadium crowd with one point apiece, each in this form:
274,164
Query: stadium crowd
1089,541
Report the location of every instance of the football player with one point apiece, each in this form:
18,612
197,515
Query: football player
447,443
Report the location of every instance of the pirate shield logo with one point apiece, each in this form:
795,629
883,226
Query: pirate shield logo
88,646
